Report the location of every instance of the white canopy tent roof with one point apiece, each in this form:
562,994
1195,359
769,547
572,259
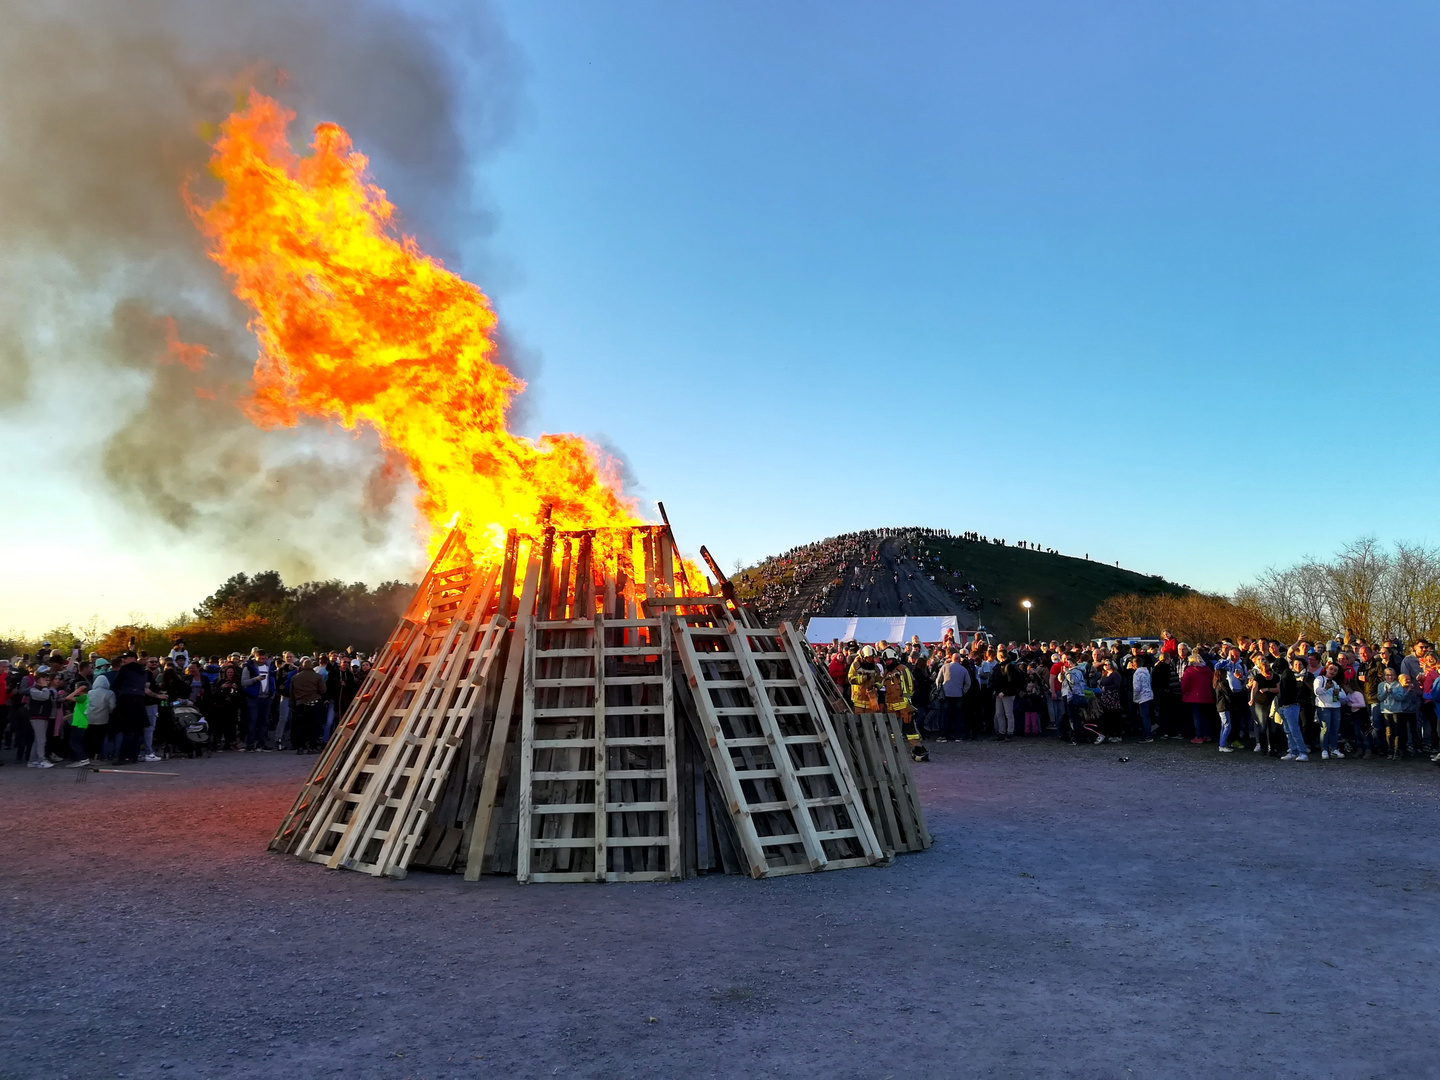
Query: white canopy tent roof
867,631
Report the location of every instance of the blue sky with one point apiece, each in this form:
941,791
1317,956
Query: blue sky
1152,282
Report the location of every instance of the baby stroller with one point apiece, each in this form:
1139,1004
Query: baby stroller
194,728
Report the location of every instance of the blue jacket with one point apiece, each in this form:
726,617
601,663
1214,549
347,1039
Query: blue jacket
1394,698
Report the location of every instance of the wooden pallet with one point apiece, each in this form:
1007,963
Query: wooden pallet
879,757
439,590
787,784
598,779
373,816
522,719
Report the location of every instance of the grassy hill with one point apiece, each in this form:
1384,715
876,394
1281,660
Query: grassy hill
1064,589
920,572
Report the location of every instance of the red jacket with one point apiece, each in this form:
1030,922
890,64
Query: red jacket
1196,685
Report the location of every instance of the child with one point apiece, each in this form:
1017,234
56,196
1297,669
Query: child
79,725
1029,702
41,709
1328,697
1396,709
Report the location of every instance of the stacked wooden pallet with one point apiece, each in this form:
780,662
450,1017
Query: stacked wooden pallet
579,710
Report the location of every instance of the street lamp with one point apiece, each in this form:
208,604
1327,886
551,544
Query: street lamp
1027,606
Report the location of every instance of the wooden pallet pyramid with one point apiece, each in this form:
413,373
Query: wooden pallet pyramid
580,711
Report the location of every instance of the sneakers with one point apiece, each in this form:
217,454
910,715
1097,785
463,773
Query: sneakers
1113,738
1227,749
1336,754
1099,739
149,757
42,765
1303,757
1257,748
1324,755
941,738
1152,740
1288,757
78,764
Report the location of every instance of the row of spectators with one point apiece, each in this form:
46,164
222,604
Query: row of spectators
1340,698
56,708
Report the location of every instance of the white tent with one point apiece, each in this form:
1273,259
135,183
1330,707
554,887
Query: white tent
876,628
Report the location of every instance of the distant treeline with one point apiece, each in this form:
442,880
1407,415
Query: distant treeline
1377,593
251,610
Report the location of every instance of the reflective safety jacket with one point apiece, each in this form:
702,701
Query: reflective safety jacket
899,688
864,678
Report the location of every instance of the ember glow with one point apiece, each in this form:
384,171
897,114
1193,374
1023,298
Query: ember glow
357,325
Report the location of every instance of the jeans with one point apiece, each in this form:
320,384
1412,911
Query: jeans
1004,714
1056,707
329,722
285,720
954,725
1329,728
257,721
152,713
1143,708
1075,714
40,726
1199,713
1225,728
1263,727
1290,714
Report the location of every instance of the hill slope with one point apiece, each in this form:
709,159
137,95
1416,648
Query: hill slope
914,571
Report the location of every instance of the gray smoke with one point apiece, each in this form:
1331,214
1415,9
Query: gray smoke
105,110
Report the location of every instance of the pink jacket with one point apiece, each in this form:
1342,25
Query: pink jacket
1196,686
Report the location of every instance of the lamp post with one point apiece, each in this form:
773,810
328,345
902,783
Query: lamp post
1027,606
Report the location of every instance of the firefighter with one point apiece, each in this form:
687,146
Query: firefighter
899,690
865,678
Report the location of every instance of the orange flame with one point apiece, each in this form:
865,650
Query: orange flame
358,325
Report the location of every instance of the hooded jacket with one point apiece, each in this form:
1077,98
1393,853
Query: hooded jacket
102,701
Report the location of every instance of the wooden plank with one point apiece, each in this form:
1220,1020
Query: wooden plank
602,754
527,760
358,832
499,734
801,666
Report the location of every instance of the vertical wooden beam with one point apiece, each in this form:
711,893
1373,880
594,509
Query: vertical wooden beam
500,730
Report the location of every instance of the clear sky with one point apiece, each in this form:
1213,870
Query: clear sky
1152,282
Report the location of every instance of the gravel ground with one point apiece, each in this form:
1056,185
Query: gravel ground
1182,914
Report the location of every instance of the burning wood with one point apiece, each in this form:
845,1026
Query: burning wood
525,721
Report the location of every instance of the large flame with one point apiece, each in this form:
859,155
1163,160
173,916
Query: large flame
358,325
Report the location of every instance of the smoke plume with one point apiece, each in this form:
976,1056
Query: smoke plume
106,108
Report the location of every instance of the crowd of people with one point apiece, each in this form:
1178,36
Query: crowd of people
1345,697
78,710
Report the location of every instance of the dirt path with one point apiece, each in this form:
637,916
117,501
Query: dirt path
1180,915
894,584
